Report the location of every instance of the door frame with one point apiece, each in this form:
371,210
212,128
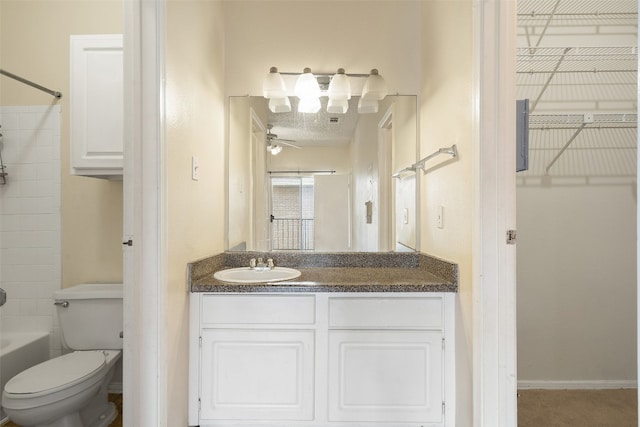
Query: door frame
494,280
145,366
145,374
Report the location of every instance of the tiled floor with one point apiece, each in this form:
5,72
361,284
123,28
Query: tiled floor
115,398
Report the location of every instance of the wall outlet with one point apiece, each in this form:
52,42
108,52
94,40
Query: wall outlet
440,217
195,168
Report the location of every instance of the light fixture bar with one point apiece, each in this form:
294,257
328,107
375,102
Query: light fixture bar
287,73
309,87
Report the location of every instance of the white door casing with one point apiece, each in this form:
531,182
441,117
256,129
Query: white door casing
144,357
494,304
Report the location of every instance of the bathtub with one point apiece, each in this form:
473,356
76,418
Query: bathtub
19,351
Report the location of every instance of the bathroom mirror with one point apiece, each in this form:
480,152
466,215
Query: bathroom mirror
322,182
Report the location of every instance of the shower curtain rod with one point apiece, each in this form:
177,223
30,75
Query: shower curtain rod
303,172
30,83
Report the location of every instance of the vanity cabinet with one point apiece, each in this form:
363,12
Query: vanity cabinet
321,359
96,105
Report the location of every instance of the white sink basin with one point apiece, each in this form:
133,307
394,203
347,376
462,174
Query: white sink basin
247,275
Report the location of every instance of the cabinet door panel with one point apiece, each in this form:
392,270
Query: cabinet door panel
96,108
378,376
257,375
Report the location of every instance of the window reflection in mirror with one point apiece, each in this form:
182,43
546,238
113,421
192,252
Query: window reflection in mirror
303,182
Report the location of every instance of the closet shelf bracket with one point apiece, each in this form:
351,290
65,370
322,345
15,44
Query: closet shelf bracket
563,149
551,76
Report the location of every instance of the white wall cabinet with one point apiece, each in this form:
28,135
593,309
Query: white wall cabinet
311,360
96,115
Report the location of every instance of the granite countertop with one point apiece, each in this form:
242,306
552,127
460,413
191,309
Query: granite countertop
333,272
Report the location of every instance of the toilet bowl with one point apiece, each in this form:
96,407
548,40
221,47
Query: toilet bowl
67,391
72,390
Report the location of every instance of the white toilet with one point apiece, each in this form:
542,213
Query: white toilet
71,390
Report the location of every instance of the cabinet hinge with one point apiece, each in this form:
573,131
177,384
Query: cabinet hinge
200,341
443,407
442,344
199,405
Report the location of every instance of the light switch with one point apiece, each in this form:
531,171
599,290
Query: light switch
195,168
440,217
405,215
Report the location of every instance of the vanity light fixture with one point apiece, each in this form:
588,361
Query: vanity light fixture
374,90
336,87
339,93
374,87
367,106
309,105
273,86
307,86
308,90
280,105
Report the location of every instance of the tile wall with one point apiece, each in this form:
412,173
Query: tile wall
30,230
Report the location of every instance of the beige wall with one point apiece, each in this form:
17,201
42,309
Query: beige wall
446,118
334,158
34,43
323,35
195,127
577,315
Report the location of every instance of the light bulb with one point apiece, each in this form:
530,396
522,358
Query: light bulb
307,85
309,105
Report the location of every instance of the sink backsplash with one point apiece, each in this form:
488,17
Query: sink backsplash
444,269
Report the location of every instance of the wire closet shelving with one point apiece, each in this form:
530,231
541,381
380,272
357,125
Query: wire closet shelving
583,107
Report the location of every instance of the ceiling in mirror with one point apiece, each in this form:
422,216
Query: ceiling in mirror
321,128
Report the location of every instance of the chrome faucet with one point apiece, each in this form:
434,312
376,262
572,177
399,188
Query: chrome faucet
259,264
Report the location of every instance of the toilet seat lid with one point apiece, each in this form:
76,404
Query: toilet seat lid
61,371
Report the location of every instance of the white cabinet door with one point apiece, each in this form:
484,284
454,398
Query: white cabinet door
257,374
385,376
97,105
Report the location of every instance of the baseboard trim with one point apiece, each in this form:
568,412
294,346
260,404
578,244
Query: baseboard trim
576,385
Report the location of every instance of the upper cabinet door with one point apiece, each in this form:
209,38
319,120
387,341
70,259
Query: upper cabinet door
97,105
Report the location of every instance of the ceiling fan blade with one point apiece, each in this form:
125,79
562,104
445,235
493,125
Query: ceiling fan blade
282,141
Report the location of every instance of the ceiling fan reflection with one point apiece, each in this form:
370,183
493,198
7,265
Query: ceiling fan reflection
274,144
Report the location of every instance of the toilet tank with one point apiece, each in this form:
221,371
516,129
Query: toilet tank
90,316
